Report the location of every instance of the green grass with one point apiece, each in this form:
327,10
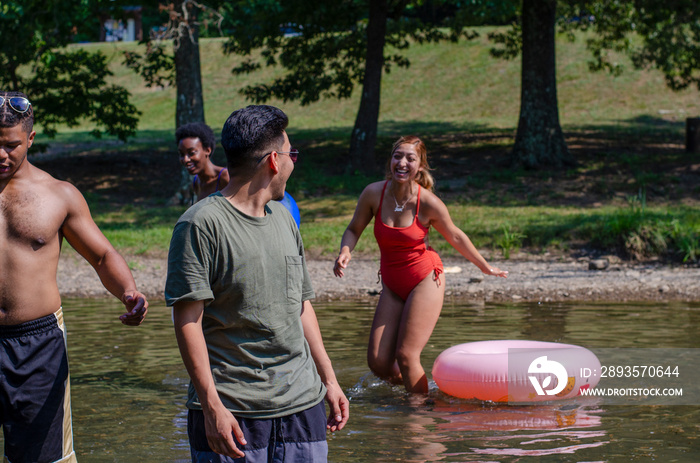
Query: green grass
465,104
138,230
656,231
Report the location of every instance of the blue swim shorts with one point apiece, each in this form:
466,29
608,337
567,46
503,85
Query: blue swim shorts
297,437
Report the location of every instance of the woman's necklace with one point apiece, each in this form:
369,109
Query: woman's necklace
400,208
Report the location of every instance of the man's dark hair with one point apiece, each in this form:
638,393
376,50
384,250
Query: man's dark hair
197,130
250,133
10,118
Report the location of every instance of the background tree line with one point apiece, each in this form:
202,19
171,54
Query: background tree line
327,49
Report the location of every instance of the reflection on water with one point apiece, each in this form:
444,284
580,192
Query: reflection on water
129,387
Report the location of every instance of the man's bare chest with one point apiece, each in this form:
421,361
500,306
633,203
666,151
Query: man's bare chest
27,218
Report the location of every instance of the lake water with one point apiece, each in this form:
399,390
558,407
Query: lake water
128,388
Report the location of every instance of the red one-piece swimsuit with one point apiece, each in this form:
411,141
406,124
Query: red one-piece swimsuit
405,258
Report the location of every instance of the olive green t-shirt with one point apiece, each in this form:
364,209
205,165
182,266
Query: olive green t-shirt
252,276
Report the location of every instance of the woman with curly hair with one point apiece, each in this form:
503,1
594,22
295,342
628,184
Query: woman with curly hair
196,144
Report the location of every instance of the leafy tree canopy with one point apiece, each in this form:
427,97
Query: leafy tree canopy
664,34
323,43
65,86
167,25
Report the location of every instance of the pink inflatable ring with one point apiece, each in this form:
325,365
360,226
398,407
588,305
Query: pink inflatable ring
515,371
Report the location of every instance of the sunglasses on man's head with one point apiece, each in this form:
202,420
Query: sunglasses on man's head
293,155
18,103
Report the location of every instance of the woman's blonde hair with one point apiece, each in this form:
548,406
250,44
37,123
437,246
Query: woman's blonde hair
423,177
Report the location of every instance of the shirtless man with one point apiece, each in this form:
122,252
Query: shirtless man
36,213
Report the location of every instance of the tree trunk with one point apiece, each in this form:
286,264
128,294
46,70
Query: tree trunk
188,80
539,141
692,134
188,74
364,134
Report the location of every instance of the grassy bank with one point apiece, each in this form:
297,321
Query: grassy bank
634,190
671,233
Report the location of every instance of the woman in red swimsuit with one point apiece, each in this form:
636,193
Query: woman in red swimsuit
195,144
404,208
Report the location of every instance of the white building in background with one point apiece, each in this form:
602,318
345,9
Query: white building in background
124,29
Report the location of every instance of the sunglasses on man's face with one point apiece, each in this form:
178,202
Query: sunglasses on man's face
18,103
293,155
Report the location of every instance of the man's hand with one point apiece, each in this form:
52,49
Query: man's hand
339,407
136,308
221,426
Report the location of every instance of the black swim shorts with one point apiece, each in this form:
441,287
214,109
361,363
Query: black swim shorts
35,393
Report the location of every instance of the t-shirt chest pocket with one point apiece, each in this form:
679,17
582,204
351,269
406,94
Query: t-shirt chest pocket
295,278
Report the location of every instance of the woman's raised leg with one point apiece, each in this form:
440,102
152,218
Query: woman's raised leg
419,317
381,352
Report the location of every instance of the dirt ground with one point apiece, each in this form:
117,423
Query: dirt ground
530,279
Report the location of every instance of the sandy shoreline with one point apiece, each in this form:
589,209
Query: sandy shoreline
531,279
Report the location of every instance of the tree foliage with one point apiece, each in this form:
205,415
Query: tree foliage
171,24
71,87
663,34
321,44
155,65
66,86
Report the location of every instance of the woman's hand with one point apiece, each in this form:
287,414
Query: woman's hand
341,263
495,271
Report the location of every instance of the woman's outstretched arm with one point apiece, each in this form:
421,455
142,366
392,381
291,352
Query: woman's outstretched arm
440,219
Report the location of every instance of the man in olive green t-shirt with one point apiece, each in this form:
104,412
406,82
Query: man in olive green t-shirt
240,289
